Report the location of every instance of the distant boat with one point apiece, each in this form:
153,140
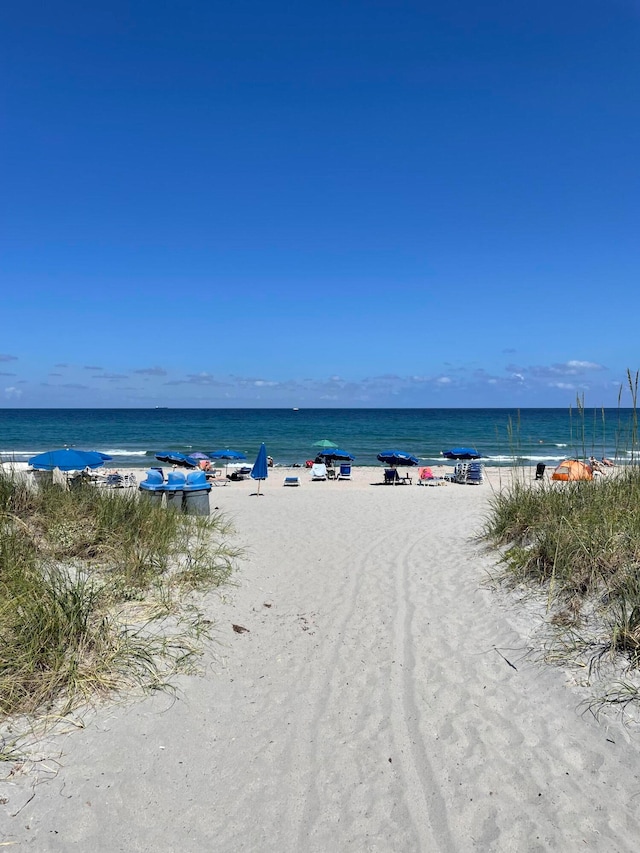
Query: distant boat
296,409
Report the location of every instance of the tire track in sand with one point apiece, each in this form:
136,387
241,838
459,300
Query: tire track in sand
424,798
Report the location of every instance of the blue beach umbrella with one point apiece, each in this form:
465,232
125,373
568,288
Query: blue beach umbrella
67,459
397,457
336,453
226,454
175,458
462,453
260,470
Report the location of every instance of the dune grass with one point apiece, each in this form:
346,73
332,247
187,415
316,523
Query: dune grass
86,577
577,546
579,542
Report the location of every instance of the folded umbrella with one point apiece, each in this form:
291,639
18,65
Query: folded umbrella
260,470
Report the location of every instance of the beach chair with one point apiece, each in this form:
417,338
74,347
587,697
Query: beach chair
215,477
426,477
391,477
469,473
460,472
475,474
318,471
345,471
540,470
291,480
114,481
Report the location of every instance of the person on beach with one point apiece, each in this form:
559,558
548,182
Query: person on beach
607,462
596,467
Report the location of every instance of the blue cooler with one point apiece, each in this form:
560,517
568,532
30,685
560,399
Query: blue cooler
173,489
196,494
152,488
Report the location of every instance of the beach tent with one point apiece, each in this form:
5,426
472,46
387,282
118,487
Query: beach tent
572,469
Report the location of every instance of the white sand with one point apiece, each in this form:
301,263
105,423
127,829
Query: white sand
365,709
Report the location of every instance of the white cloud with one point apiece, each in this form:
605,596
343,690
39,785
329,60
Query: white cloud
583,365
12,393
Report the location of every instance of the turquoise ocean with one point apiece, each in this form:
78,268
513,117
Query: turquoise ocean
504,436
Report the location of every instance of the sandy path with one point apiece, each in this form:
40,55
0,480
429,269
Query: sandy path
365,709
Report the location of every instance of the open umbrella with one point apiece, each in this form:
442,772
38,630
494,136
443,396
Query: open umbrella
67,459
393,458
325,443
260,470
198,454
462,453
336,453
175,458
227,455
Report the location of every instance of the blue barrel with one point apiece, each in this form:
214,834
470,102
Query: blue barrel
173,489
196,494
152,489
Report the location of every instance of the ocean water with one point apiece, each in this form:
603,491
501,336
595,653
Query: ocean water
504,436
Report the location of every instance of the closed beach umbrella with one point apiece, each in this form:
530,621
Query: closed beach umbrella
260,470
393,458
67,459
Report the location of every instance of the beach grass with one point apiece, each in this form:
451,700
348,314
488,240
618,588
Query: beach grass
579,542
94,593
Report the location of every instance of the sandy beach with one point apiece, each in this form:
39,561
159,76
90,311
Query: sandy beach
381,698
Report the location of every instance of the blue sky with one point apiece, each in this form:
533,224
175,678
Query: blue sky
337,204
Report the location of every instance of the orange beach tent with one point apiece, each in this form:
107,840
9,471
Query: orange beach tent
572,469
